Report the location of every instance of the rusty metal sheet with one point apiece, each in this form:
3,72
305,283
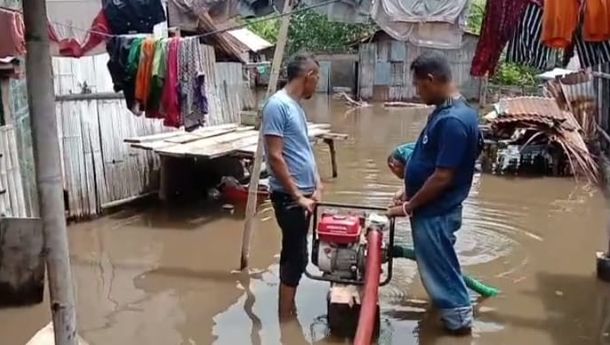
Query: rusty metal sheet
529,105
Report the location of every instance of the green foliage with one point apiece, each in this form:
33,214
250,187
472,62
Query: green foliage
268,29
314,33
476,15
513,74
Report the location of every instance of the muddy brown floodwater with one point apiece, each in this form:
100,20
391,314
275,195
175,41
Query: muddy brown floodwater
163,276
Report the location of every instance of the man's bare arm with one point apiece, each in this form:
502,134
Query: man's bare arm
432,189
274,145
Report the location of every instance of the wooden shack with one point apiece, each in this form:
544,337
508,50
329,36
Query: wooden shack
383,67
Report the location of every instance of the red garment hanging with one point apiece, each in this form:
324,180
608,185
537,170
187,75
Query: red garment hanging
12,41
499,24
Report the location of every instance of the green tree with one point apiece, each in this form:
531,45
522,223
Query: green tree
267,29
313,32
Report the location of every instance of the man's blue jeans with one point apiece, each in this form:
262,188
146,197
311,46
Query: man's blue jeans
439,268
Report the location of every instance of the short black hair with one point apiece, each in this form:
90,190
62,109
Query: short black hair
296,65
432,63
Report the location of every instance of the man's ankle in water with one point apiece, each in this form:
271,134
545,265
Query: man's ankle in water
286,303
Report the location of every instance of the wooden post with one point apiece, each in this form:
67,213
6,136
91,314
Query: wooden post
48,170
333,155
483,91
278,56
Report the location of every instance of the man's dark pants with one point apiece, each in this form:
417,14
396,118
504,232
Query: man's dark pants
294,223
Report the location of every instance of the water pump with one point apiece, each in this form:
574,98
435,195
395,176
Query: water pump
342,251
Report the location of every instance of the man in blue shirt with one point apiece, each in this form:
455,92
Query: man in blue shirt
295,183
437,180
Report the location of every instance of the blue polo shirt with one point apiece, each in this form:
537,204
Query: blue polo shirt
450,139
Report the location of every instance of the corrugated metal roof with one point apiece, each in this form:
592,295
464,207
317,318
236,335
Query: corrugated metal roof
530,106
251,40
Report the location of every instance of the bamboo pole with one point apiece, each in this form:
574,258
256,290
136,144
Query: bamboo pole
48,170
278,56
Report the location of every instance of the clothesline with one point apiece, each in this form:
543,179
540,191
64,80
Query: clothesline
107,35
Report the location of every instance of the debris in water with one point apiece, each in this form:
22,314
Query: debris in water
559,293
350,101
229,208
533,135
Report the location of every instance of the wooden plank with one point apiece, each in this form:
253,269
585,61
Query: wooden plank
177,135
383,72
73,157
88,110
398,51
366,73
8,166
203,147
159,145
3,191
16,172
226,148
94,129
221,145
202,133
314,134
154,137
5,202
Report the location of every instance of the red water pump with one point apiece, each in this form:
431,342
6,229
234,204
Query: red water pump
343,252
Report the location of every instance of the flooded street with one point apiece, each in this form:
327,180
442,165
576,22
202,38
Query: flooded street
164,276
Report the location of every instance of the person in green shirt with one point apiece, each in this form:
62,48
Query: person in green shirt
397,160
397,163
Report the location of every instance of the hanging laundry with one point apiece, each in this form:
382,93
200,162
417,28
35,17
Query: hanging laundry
344,11
193,100
133,16
403,21
418,11
119,49
12,41
499,25
153,108
170,100
526,47
144,75
591,53
70,18
597,21
560,21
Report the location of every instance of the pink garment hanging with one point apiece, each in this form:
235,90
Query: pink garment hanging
12,41
171,89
